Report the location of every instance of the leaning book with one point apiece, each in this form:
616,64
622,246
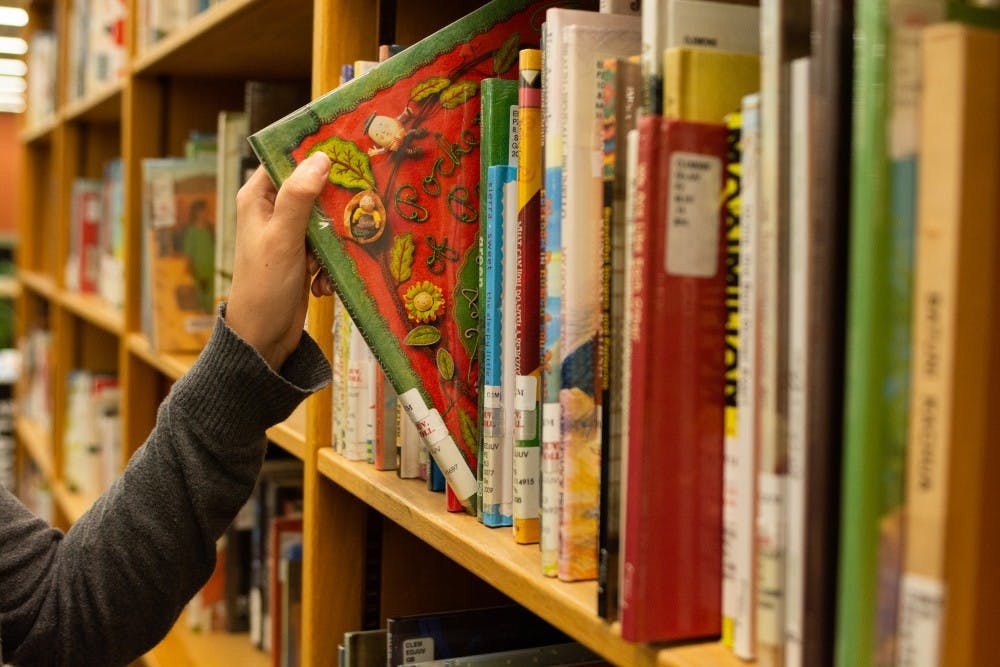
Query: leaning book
398,224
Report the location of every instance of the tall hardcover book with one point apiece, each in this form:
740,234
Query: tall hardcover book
883,178
671,587
618,111
947,599
830,113
527,330
499,263
396,227
582,295
553,114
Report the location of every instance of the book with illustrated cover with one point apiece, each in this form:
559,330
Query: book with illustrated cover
397,226
179,239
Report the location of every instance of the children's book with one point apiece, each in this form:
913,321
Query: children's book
397,226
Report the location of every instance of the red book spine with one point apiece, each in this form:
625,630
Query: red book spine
90,223
672,550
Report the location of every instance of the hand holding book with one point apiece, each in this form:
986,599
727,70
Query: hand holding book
273,271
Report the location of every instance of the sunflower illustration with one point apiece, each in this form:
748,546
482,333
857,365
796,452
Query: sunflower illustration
424,301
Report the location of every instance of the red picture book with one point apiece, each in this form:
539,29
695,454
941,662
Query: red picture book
672,548
397,226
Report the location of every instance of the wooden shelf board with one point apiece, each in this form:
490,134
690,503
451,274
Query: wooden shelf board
290,434
38,444
38,283
171,365
73,505
513,569
41,132
237,38
95,310
104,105
184,648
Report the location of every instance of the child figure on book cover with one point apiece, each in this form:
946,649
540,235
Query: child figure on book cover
109,589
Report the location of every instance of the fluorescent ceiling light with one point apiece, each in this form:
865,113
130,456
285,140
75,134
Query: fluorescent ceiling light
14,45
13,67
12,84
13,16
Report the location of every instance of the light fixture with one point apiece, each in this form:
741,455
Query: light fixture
14,45
13,16
13,67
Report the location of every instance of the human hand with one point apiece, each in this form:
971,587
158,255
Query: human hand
273,268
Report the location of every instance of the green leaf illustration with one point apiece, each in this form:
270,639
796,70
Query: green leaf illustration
506,55
423,335
401,257
350,166
445,363
470,433
458,93
428,87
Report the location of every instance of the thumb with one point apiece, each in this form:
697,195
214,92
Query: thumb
298,193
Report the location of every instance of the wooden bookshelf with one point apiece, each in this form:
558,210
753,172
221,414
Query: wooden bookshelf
173,87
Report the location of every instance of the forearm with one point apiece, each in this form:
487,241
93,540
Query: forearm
113,586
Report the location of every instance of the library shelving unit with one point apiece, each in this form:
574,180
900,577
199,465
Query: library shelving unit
428,559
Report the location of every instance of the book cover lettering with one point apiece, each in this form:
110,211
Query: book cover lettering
397,226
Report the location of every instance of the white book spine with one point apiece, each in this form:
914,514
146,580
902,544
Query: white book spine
799,372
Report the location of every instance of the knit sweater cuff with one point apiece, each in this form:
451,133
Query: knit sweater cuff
231,391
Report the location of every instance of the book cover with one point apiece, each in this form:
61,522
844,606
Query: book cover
397,226
499,115
618,99
704,85
947,603
671,588
179,238
583,246
527,324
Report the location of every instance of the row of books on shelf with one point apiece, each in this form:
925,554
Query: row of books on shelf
256,585
95,33
34,490
483,636
650,296
35,379
91,443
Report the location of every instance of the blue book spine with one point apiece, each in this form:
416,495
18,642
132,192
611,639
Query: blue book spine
493,359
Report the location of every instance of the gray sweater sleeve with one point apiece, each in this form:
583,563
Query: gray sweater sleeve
110,588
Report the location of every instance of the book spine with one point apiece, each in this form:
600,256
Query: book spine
551,465
878,321
731,526
800,367
744,466
498,443
952,534
527,451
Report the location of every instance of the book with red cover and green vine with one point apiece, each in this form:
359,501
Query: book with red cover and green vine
397,226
